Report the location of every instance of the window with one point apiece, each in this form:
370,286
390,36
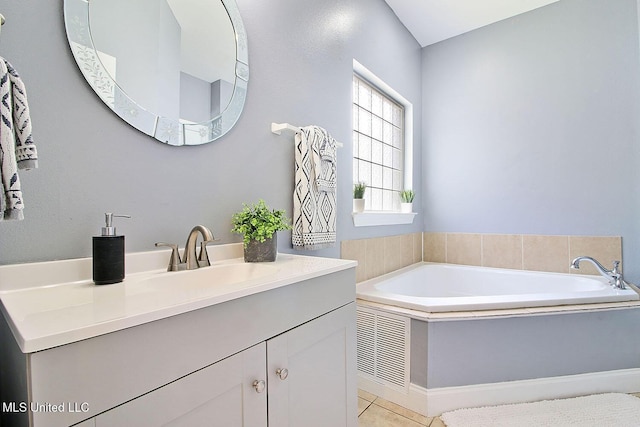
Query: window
378,145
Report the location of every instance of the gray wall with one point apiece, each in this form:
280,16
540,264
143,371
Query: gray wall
91,162
530,126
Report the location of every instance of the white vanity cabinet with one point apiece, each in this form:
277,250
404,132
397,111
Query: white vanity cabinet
206,366
220,395
302,373
309,373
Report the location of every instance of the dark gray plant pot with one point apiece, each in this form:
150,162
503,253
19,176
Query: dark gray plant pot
262,251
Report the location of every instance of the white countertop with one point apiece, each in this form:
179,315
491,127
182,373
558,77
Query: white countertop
47,316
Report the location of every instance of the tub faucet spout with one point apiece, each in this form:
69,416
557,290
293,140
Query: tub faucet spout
614,276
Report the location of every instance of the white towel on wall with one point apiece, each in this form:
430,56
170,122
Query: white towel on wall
314,199
17,150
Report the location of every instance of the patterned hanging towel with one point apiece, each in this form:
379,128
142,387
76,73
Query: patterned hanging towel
314,198
17,150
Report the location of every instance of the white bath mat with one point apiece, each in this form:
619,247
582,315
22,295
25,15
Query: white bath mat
599,410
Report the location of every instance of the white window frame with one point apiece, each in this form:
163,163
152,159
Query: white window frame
372,218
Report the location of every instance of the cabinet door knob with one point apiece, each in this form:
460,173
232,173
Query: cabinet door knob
259,385
282,373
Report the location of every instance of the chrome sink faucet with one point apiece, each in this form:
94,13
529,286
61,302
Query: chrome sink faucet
189,260
614,276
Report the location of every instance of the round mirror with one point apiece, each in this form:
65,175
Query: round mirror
174,69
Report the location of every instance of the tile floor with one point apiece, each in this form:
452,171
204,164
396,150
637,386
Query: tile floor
374,411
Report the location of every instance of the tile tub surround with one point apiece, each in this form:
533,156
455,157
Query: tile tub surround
381,255
522,251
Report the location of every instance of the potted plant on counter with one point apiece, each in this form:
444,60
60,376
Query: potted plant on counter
358,197
258,224
406,197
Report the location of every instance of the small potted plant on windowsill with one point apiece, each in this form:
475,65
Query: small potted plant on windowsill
258,224
358,197
406,197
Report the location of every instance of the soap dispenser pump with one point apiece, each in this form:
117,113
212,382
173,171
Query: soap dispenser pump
108,253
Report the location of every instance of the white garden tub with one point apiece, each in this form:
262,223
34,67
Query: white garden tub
448,287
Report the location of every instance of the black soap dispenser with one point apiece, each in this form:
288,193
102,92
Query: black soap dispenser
108,253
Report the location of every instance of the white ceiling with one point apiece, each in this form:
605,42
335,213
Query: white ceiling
431,21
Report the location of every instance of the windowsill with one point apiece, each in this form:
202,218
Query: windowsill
369,218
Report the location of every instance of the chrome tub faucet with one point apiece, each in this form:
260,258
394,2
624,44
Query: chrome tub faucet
614,276
190,260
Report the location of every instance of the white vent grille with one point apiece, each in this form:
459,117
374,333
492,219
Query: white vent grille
366,336
383,347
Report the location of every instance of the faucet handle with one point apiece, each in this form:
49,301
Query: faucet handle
203,257
616,264
174,261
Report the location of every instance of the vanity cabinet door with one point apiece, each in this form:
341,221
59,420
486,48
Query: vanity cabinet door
220,395
312,373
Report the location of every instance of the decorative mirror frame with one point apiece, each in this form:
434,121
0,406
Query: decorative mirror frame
164,129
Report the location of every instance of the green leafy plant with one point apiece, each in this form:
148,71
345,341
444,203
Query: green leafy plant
259,222
407,196
358,190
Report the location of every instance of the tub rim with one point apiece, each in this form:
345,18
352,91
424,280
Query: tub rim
531,306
